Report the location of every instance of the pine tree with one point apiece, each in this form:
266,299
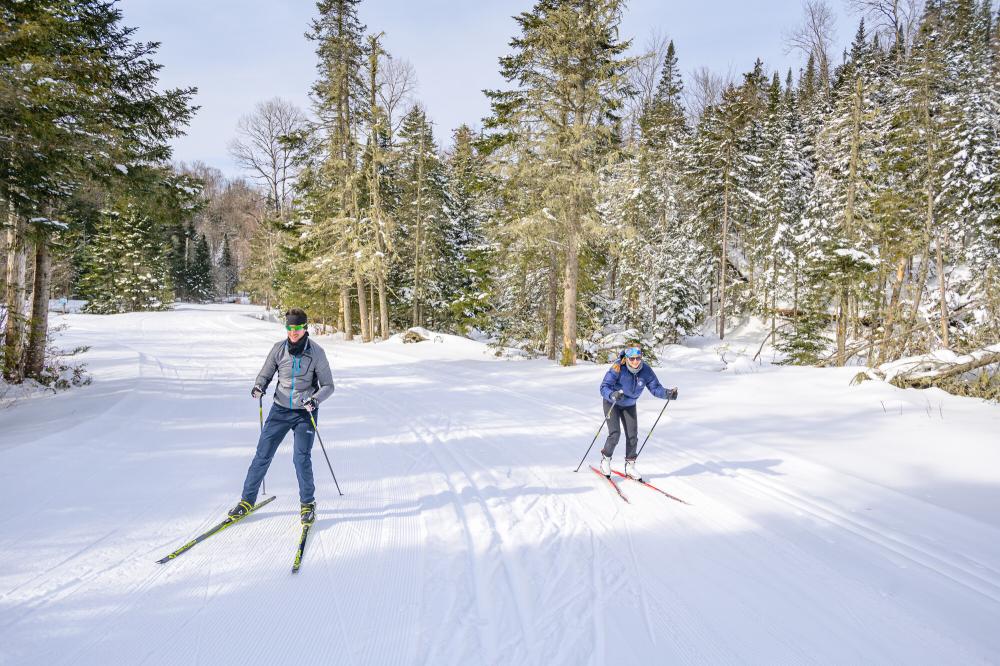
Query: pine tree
228,270
721,177
80,105
200,272
468,197
676,260
910,211
126,266
569,75
970,196
840,245
330,247
426,263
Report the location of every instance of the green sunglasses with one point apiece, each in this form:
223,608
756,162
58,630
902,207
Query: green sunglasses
295,327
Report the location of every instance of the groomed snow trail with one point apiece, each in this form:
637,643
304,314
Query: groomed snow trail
827,524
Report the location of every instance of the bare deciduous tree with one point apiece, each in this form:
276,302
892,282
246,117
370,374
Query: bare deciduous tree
704,90
815,36
267,146
644,77
397,81
891,19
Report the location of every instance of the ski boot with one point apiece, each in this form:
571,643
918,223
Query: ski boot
605,465
240,510
308,513
631,472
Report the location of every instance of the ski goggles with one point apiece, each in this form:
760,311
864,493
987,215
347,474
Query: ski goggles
633,352
295,327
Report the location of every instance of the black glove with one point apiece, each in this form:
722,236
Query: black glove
672,393
617,395
309,404
256,392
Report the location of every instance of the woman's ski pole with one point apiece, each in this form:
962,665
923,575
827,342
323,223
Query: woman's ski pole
316,428
606,417
651,430
260,400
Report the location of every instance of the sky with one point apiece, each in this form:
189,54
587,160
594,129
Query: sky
240,52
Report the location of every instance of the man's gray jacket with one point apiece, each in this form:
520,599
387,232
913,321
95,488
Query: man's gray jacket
299,377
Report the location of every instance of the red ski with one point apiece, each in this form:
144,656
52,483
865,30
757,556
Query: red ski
648,485
613,484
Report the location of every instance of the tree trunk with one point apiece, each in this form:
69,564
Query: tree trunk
844,308
614,276
892,311
944,303
572,277
929,191
842,327
366,335
553,305
417,277
371,310
345,306
383,307
13,365
722,266
795,288
928,232
39,308
774,304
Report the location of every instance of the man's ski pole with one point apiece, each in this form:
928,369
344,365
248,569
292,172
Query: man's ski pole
316,428
651,430
606,417
260,400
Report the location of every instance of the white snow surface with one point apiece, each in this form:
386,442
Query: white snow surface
827,523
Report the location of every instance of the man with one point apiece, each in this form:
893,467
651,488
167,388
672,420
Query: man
304,381
621,387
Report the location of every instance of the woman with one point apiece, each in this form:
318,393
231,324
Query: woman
621,387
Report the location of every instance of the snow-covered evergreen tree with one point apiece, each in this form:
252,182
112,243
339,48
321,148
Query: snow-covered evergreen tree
724,177
126,266
426,266
469,195
841,250
228,270
200,272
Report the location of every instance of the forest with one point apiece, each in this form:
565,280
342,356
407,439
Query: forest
852,205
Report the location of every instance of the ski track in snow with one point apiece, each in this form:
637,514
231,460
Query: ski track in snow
463,537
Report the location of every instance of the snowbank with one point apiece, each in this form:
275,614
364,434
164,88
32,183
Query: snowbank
441,346
13,393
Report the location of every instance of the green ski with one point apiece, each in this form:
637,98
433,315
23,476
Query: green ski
301,549
215,530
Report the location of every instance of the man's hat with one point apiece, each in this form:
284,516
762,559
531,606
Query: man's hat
295,317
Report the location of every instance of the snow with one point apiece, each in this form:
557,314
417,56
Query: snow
828,523
11,394
926,365
66,305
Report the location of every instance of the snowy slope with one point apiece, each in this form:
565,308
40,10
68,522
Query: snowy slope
828,524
